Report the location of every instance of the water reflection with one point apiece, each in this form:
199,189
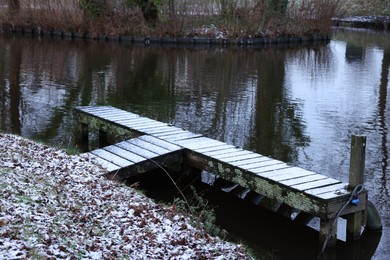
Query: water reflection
299,104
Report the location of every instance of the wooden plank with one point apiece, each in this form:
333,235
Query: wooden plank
148,124
171,133
162,132
213,148
238,157
132,123
110,115
112,158
200,142
235,153
151,126
261,162
303,179
136,149
333,194
180,137
259,159
91,109
266,170
110,167
291,175
315,184
228,149
161,143
135,158
148,146
337,189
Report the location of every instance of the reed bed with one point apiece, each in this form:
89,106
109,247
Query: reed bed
170,18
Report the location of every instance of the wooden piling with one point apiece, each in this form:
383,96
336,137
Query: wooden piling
84,140
356,177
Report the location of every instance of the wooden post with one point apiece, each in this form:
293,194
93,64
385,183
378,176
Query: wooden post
103,139
325,228
356,177
84,140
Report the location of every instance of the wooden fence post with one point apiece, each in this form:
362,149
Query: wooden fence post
356,177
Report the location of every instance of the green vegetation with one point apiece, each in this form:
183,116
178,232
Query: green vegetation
203,216
172,18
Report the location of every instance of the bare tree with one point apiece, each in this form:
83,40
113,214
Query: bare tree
13,6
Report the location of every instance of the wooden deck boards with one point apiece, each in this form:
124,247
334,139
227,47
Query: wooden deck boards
301,189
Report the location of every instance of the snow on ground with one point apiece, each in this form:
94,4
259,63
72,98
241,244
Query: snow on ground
54,205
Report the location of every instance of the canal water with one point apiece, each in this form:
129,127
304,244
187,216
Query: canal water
297,103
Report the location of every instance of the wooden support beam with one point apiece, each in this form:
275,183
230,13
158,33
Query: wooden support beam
84,140
356,177
328,233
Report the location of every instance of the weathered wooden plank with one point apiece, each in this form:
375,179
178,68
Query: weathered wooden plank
151,126
200,142
261,162
315,184
135,158
147,165
292,174
303,179
132,123
171,133
148,146
119,119
111,115
236,155
213,148
228,149
269,170
136,149
167,131
106,126
183,136
258,159
147,124
161,143
110,167
112,158
91,109
340,188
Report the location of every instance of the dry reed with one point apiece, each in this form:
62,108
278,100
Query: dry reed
206,18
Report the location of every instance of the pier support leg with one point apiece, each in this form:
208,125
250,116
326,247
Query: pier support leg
84,140
328,233
103,139
356,177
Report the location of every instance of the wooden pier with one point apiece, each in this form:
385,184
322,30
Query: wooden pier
150,144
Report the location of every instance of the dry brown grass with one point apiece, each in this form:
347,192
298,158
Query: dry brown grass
232,18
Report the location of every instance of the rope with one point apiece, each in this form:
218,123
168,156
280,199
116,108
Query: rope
356,191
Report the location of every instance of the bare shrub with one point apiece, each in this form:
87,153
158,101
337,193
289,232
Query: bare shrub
211,18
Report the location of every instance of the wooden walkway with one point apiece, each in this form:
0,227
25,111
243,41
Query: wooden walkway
150,142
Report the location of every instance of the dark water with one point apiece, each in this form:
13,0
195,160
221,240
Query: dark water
299,104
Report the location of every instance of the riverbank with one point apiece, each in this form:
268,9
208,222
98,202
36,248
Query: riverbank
369,22
54,205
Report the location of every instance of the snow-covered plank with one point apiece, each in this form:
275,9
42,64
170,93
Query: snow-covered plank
148,146
164,144
136,149
130,156
112,158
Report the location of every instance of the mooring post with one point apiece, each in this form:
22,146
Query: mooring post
356,177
